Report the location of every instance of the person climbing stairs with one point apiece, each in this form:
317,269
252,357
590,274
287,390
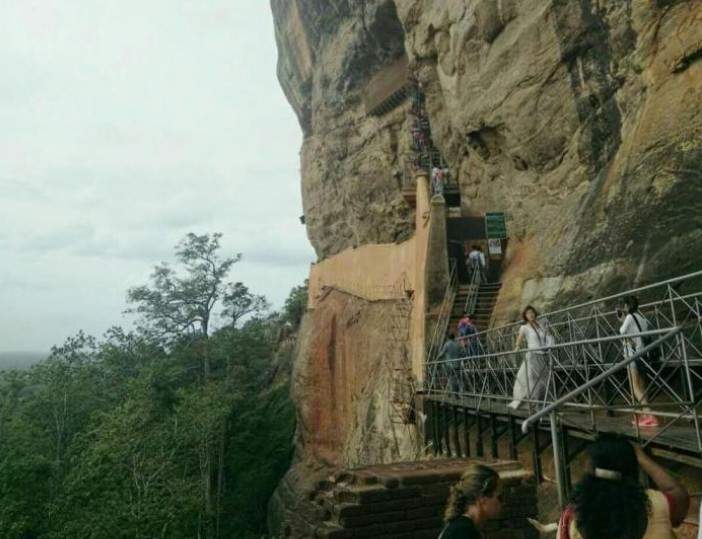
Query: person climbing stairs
479,303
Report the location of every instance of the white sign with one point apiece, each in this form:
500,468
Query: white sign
494,247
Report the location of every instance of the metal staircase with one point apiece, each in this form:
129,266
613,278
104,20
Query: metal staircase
587,387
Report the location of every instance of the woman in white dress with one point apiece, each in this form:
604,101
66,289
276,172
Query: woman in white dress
634,323
531,382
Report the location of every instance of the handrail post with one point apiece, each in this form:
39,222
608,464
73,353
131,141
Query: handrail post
606,374
557,459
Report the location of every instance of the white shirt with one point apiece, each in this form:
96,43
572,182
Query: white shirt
629,327
536,337
476,257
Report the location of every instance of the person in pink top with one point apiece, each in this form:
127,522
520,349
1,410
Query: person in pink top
610,503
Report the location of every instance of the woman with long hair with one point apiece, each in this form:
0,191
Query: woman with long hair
610,503
474,500
531,381
633,323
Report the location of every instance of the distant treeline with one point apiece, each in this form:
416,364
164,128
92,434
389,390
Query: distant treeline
172,430
20,360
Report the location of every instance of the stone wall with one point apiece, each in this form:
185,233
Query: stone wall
408,270
402,500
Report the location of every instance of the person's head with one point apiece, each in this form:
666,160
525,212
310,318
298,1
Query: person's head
477,493
475,248
629,304
451,336
609,503
529,314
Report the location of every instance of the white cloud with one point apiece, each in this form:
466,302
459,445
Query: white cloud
126,125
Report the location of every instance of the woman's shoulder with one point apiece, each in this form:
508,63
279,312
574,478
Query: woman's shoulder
462,527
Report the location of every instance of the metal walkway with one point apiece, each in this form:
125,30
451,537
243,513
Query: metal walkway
587,389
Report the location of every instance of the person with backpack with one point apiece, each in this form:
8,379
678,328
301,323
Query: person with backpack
476,261
467,335
633,324
451,351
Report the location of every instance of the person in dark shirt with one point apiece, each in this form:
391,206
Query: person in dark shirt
474,500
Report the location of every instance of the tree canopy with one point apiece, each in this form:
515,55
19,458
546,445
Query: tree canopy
122,437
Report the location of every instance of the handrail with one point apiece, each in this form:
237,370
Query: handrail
597,379
569,344
633,291
444,314
472,296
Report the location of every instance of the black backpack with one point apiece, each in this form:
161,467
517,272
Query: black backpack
653,356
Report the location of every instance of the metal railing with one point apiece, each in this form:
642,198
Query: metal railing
584,373
570,397
443,316
473,288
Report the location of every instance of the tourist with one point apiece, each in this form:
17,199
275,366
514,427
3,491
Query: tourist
610,503
531,381
634,323
452,350
476,261
474,500
466,335
463,324
437,181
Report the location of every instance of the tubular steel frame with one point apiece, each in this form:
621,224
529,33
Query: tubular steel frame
588,389
587,345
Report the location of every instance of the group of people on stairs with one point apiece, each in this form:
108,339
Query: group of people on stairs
532,378
609,502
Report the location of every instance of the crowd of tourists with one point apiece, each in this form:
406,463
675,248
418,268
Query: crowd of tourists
531,380
609,502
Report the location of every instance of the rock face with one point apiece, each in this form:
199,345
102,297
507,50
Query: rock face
581,119
329,49
344,380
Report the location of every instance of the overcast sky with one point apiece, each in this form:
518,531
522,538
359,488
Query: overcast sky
125,124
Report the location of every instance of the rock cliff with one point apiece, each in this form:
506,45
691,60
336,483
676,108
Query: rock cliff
580,119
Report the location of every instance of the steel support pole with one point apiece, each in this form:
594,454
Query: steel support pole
447,429
479,439
536,455
558,460
456,435
466,432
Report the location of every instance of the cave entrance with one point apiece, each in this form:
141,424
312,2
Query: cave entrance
488,232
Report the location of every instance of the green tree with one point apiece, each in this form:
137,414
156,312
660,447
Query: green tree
239,302
117,439
296,304
179,304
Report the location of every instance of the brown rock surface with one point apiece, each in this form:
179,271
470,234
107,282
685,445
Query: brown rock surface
350,168
343,384
580,119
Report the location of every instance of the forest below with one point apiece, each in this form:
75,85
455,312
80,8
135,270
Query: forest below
180,427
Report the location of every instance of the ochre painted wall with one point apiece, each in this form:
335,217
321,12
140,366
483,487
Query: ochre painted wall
385,271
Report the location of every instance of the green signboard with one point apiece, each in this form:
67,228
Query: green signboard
495,226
